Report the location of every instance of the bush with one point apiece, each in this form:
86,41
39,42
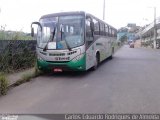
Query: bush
17,55
3,84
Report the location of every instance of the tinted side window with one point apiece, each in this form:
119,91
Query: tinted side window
89,35
115,33
101,28
96,27
88,28
106,30
110,31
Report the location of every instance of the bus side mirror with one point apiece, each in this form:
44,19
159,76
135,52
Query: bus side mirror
32,29
92,26
32,32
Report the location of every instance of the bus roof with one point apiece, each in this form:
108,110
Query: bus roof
74,13
63,13
100,20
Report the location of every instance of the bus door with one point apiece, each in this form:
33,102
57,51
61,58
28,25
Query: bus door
108,39
89,43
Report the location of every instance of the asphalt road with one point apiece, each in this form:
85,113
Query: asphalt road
129,83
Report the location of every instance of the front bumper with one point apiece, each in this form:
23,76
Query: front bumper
78,65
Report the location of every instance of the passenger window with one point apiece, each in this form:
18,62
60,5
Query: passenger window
106,30
115,33
88,28
101,28
96,27
110,31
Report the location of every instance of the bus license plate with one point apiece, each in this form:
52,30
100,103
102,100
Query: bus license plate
57,70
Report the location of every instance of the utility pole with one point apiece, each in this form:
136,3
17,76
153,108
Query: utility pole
155,30
104,7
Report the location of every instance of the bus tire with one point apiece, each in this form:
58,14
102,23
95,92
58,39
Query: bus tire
110,57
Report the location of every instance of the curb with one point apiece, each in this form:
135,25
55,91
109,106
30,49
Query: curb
17,77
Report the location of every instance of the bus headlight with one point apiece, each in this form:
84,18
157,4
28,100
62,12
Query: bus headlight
78,57
39,58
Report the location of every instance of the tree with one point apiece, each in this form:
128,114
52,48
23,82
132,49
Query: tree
123,38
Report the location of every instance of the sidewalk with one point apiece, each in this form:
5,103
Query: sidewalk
14,77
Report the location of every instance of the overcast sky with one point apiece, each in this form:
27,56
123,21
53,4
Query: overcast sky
18,14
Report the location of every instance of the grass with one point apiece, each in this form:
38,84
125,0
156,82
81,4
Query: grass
27,77
3,84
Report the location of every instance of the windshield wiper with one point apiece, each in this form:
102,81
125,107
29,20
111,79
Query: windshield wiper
54,31
50,40
69,48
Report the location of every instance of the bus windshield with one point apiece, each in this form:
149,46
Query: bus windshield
65,32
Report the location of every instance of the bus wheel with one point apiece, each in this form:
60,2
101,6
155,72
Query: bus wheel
96,62
110,57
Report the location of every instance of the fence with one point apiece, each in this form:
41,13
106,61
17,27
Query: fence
17,54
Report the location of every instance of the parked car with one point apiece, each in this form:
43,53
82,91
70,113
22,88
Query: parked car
131,44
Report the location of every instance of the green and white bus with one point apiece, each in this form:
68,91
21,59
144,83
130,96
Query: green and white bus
72,41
